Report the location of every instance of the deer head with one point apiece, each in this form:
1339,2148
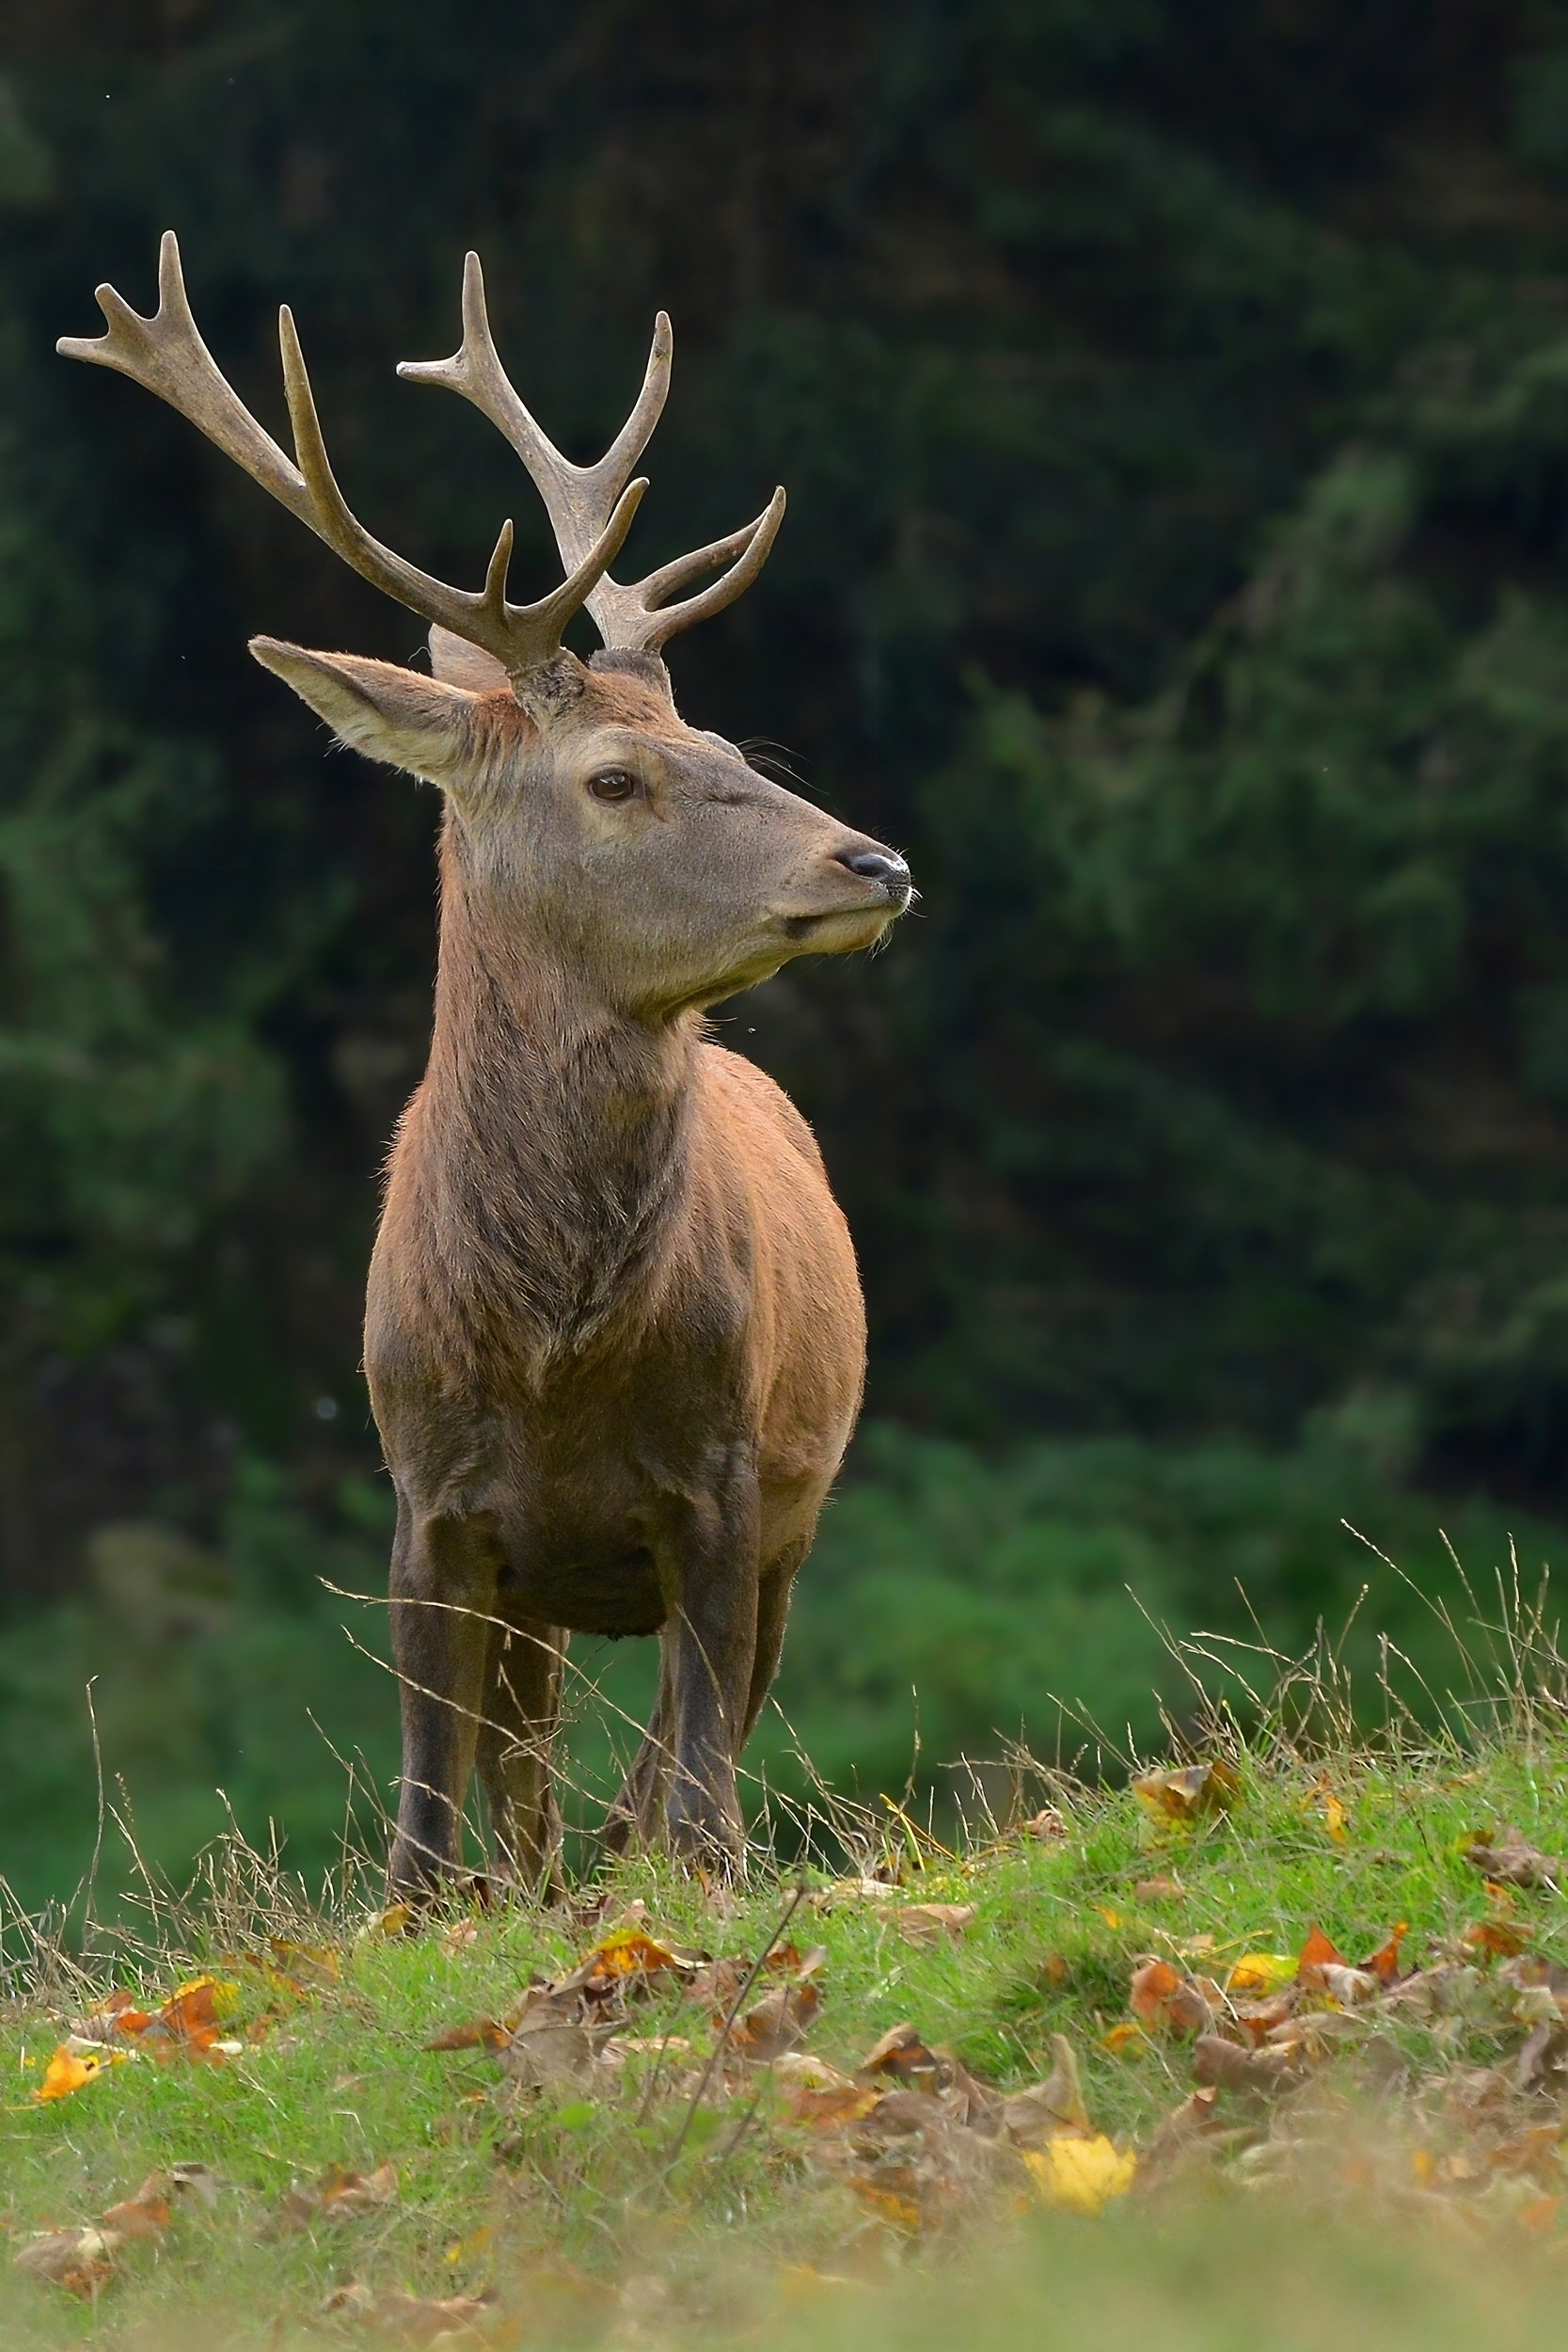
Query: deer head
644,856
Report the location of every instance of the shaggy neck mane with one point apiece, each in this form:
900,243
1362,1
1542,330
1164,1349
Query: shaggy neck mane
556,1131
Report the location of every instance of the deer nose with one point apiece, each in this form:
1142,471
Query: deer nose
877,865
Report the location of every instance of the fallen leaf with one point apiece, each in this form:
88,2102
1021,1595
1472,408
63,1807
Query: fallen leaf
1227,2067
71,2069
479,2033
902,2056
1316,1955
929,1923
1184,2128
1384,1963
196,2180
1163,1999
1157,1890
1184,1795
1320,1798
1349,1986
1122,2037
887,2204
1082,2175
629,1953
146,2215
780,2020
1494,1939
1544,2059
1046,1824
397,1919
338,2195
1039,2113
844,2103
117,2012
1261,1971
417,2319
1512,1861
81,2260
549,2047
801,2070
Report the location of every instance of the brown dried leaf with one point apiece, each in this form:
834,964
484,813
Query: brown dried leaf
1227,2067
1031,2117
1511,1860
929,1923
338,2195
416,2319
479,2033
1544,2059
902,2057
780,2020
1384,1963
1159,1889
81,2260
146,2215
1494,1939
1164,2000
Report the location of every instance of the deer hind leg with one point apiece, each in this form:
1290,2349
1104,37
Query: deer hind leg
443,1590
516,1741
711,1571
773,1598
638,1812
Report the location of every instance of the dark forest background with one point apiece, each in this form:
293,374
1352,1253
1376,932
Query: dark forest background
1174,407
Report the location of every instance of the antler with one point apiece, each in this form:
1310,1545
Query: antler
166,353
638,618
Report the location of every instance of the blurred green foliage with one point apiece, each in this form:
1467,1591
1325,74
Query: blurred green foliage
1174,404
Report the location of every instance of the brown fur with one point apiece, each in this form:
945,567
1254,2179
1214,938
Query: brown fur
614,1336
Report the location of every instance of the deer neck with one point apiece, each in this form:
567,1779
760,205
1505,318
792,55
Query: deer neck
559,1126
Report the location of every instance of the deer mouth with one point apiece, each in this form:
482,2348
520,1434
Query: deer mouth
865,923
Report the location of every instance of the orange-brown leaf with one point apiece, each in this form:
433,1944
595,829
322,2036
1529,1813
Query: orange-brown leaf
1494,1939
1166,2000
478,2033
1384,1963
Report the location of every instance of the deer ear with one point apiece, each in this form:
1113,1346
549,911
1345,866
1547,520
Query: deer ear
418,723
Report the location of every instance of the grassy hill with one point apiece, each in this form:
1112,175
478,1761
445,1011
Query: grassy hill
1265,2048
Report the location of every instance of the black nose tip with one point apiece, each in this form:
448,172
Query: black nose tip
878,865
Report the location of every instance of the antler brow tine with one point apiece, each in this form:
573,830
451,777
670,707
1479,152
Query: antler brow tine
166,354
637,617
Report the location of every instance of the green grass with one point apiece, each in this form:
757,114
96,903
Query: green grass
1021,1596
1379,2198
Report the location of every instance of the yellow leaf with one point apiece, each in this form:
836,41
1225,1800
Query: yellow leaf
1180,1797
395,1921
1081,2175
71,2070
1261,1972
1111,1918
1322,1799
1121,2037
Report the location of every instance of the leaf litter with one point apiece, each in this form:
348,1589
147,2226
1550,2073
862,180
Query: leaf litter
1278,2047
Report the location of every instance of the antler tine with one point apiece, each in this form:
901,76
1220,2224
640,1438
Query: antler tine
635,617
519,636
576,497
166,354
752,544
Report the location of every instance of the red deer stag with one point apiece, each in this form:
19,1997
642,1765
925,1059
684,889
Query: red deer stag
613,1337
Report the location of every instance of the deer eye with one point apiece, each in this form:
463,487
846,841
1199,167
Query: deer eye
613,784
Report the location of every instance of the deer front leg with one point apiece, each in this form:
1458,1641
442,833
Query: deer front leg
443,1592
522,1712
710,1647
